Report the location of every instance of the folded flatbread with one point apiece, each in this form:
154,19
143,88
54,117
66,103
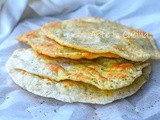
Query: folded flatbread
71,91
103,73
42,44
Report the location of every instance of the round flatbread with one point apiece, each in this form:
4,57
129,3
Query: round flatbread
103,73
97,35
70,91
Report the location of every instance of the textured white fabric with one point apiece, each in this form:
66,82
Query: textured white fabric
19,16
10,15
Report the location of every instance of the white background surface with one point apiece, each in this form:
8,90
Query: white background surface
19,16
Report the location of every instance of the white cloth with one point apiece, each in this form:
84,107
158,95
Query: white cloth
19,16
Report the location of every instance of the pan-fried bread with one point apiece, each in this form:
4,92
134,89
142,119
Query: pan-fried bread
70,91
46,46
97,35
103,73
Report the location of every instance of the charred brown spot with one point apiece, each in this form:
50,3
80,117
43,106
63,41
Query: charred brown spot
48,83
65,86
116,75
123,66
31,36
55,68
23,72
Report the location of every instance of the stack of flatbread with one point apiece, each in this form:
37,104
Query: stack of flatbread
89,60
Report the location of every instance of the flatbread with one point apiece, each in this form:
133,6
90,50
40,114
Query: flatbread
97,35
103,73
70,91
49,47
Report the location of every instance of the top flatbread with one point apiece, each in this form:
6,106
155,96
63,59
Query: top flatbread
46,46
97,35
